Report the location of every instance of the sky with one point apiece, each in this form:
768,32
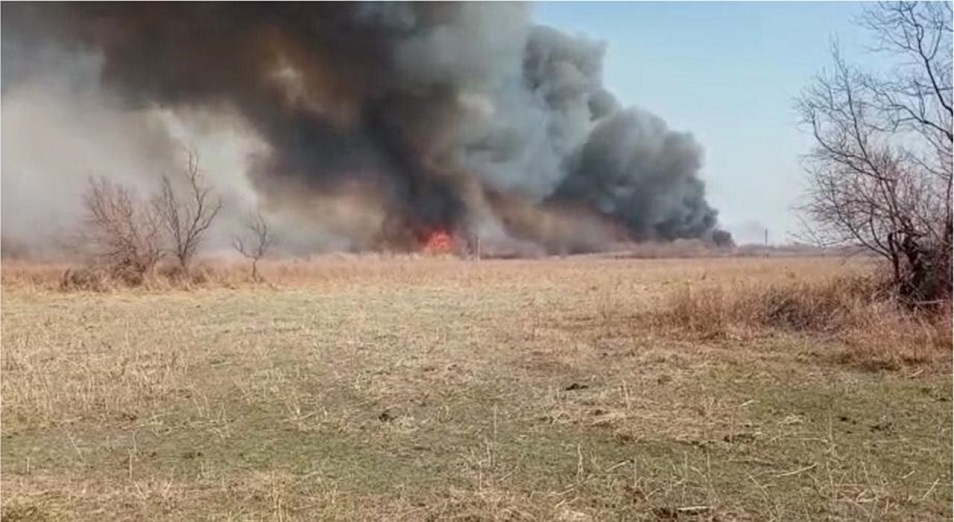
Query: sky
728,73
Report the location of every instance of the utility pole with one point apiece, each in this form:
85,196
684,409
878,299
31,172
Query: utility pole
766,237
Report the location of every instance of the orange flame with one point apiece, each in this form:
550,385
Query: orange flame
438,242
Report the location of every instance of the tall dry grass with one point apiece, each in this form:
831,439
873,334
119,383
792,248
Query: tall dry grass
79,278
856,310
744,298
213,273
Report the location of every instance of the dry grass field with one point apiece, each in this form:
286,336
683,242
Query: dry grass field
442,389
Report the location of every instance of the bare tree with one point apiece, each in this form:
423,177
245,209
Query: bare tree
880,171
186,218
124,235
257,245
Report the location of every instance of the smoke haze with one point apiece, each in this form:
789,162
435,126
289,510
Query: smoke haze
354,126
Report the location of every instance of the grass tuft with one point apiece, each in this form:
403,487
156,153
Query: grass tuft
853,309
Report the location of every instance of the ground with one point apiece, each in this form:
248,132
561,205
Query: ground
434,389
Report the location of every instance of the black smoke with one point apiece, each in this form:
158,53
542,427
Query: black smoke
437,109
632,167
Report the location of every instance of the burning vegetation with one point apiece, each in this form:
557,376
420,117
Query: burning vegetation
438,242
422,114
434,117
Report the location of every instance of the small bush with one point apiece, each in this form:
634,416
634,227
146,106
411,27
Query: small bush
796,306
809,307
121,235
166,276
703,310
92,279
859,311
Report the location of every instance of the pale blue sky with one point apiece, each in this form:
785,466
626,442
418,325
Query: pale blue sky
728,73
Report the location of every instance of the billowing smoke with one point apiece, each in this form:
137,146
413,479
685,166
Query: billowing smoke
384,122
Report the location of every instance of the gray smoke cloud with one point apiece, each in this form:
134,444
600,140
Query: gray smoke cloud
383,122
632,166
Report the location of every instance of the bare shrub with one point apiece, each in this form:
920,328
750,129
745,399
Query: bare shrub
186,217
880,173
256,246
127,238
122,235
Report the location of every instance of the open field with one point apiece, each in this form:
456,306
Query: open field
434,389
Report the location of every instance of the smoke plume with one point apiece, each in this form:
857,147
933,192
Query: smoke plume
364,125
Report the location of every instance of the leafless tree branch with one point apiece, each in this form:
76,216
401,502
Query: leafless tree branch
186,218
257,244
880,173
121,233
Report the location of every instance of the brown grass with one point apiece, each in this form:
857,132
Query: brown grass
404,388
30,276
856,310
73,277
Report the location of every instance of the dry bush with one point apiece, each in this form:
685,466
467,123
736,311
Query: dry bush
859,311
90,278
804,306
883,336
202,274
796,306
125,239
164,277
169,275
123,236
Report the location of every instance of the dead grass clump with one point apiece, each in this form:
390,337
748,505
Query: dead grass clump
90,279
98,278
703,311
798,306
887,336
807,306
168,275
176,276
200,275
856,310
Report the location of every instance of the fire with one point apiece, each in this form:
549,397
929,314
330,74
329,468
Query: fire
438,242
